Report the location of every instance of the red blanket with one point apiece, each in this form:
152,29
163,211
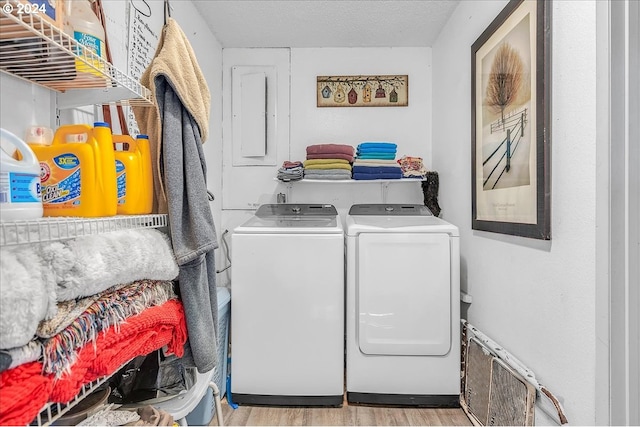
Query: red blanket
24,390
331,149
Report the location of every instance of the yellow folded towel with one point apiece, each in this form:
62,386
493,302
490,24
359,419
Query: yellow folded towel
323,161
345,166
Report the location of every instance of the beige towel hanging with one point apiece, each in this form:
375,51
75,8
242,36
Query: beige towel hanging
175,59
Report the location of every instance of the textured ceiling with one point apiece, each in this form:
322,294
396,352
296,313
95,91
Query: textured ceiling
326,23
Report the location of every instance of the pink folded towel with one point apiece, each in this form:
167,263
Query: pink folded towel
347,157
331,148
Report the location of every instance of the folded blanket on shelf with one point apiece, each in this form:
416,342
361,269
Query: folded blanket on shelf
378,169
345,166
375,162
91,264
68,312
346,172
291,165
27,294
312,162
139,335
382,156
291,173
412,167
25,389
24,392
365,150
370,176
331,176
14,357
373,144
110,308
330,148
335,174
347,157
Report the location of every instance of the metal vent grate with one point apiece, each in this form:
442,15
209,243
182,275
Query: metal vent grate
493,393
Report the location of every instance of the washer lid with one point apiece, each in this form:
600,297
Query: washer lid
293,218
295,210
390,209
394,218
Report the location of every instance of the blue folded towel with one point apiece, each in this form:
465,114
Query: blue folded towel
377,169
376,150
363,176
377,145
380,156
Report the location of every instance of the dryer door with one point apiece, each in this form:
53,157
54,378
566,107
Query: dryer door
404,293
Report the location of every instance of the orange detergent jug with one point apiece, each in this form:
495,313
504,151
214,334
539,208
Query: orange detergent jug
133,174
77,171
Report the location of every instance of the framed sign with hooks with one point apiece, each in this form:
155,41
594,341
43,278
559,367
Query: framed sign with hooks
362,91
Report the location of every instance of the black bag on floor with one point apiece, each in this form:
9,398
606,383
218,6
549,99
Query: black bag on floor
151,378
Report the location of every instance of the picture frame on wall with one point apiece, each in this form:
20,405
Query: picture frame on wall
510,122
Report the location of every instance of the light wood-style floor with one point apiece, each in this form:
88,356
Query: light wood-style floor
347,415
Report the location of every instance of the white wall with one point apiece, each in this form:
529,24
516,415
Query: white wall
536,299
409,127
23,104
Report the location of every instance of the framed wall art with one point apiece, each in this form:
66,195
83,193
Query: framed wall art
362,91
510,122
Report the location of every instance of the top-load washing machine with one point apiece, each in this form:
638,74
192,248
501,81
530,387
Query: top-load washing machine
287,307
403,312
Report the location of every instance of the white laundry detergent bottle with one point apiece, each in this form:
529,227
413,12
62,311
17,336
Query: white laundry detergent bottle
20,196
87,30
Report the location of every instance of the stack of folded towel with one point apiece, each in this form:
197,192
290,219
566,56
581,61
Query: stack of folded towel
376,160
291,171
328,161
412,167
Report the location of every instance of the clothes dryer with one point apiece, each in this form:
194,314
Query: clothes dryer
403,312
287,307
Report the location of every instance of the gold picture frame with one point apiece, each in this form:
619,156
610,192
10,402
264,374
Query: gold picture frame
363,91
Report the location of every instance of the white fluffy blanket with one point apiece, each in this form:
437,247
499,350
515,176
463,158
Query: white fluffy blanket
89,265
34,277
27,294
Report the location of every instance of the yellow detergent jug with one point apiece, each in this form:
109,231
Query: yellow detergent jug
133,174
20,196
77,171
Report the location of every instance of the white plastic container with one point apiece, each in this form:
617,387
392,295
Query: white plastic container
88,31
20,196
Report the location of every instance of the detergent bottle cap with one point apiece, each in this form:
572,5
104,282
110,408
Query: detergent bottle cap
101,124
142,136
41,135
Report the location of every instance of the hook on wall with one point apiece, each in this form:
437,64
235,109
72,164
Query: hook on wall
167,11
